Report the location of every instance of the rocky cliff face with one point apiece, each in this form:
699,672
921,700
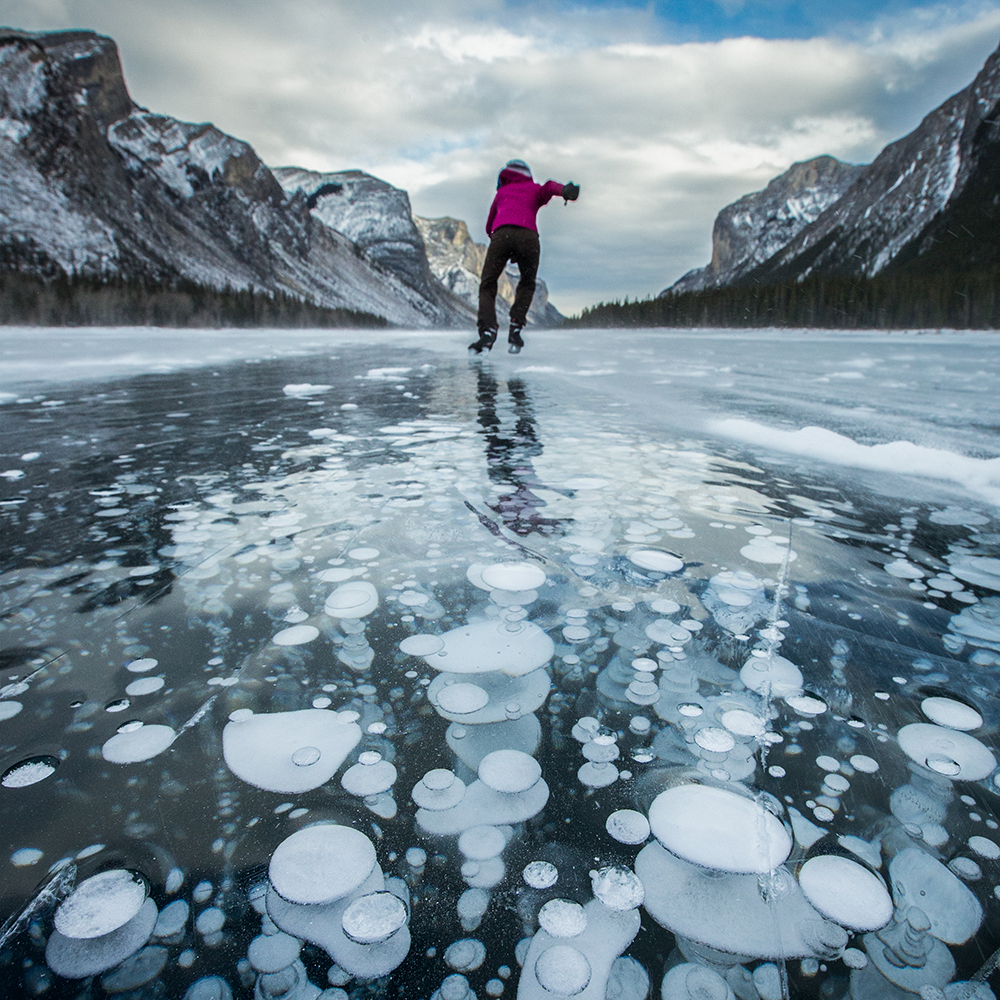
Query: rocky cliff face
457,262
93,184
756,227
928,200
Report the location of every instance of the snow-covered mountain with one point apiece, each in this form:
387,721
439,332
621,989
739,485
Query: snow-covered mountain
931,199
456,260
92,184
749,231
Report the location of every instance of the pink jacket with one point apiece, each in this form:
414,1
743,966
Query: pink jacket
518,200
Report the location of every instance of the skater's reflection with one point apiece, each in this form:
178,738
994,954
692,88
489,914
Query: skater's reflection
509,454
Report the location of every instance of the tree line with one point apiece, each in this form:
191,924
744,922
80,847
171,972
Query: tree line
968,299
81,300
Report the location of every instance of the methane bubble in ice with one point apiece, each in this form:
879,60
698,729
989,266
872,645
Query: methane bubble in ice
628,826
772,676
462,699
846,892
79,958
513,576
509,771
919,880
805,704
321,863
370,776
297,635
101,904
951,713
144,685
562,970
714,739
688,981
985,848
356,599
271,953
465,955
716,828
514,649
903,570
656,560
374,917
617,887
139,744
140,666
480,843
946,751
272,751
864,763
8,709
540,874
562,918
438,790
29,771
421,645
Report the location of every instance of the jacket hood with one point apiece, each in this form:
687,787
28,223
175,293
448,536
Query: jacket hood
509,175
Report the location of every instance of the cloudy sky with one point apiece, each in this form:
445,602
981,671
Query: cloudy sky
663,111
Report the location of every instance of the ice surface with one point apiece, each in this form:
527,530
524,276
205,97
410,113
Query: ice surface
198,512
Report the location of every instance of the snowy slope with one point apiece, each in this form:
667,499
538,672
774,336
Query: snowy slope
457,261
93,184
757,226
892,214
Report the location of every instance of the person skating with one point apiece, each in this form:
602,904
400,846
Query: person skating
513,237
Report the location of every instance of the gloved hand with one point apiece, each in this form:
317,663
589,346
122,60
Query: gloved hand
571,191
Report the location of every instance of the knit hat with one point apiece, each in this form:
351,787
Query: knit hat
518,165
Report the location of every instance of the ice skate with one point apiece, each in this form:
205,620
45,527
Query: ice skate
514,339
485,342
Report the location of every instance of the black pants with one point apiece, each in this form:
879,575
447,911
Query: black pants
522,247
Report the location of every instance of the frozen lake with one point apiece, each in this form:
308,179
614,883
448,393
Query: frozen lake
642,663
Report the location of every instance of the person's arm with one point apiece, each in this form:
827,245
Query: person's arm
548,191
491,217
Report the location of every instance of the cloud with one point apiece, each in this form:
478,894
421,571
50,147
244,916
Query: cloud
434,96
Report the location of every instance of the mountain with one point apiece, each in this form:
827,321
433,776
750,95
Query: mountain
929,201
96,186
378,218
457,262
753,229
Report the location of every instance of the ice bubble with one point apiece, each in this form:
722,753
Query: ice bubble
694,982
946,751
79,958
363,553
264,749
144,685
617,887
861,762
416,857
597,774
321,863
772,676
297,635
951,713
540,874
438,790
509,771
806,704
846,892
302,390
26,856
421,645
828,763
337,574
514,649
465,955
903,570
628,826
8,709
562,918
480,843
657,560
662,606
854,959
210,921
172,919
140,666
352,600
985,848
715,740
717,828
966,868
374,917
742,723
29,771
101,904
472,905
984,571
922,881
768,549
369,776
513,576
139,744
273,952
562,970
462,699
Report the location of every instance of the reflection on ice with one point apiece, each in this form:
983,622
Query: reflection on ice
457,687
